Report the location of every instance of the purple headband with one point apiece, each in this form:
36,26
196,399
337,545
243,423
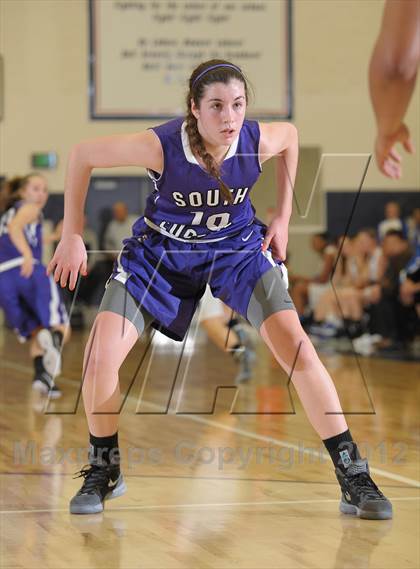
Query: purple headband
200,75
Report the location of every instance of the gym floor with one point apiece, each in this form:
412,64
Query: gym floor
216,477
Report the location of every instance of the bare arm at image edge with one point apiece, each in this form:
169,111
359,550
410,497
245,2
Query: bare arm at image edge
392,78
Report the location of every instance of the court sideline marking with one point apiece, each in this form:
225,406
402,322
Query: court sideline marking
239,431
200,505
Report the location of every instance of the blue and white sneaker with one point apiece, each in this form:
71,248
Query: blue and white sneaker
52,356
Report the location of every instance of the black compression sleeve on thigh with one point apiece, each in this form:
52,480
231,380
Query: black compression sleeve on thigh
117,299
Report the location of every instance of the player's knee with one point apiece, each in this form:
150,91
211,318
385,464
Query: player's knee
100,356
304,355
99,361
296,354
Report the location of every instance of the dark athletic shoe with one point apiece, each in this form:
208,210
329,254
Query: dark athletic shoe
323,330
44,383
360,495
102,482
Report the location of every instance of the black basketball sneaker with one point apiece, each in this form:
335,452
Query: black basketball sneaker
44,383
101,482
360,495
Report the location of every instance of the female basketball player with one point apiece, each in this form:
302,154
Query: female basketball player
30,299
199,227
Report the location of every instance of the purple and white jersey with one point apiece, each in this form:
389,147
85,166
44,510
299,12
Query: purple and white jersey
187,203
33,234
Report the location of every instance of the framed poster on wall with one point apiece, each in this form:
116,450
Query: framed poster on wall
143,51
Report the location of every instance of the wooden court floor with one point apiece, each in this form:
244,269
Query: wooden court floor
238,480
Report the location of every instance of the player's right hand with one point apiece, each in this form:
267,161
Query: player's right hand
387,157
69,259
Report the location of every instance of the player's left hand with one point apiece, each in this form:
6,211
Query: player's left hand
276,238
27,266
387,157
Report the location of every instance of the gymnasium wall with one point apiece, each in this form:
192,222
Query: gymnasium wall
45,48
44,44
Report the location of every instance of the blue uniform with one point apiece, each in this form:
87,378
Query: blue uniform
28,303
187,202
412,270
190,235
32,231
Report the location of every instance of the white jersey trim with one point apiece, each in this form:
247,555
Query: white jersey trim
55,319
122,276
190,156
167,234
7,265
13,263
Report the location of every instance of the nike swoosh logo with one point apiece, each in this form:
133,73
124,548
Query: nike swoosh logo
246,238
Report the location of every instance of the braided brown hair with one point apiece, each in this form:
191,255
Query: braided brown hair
196,92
